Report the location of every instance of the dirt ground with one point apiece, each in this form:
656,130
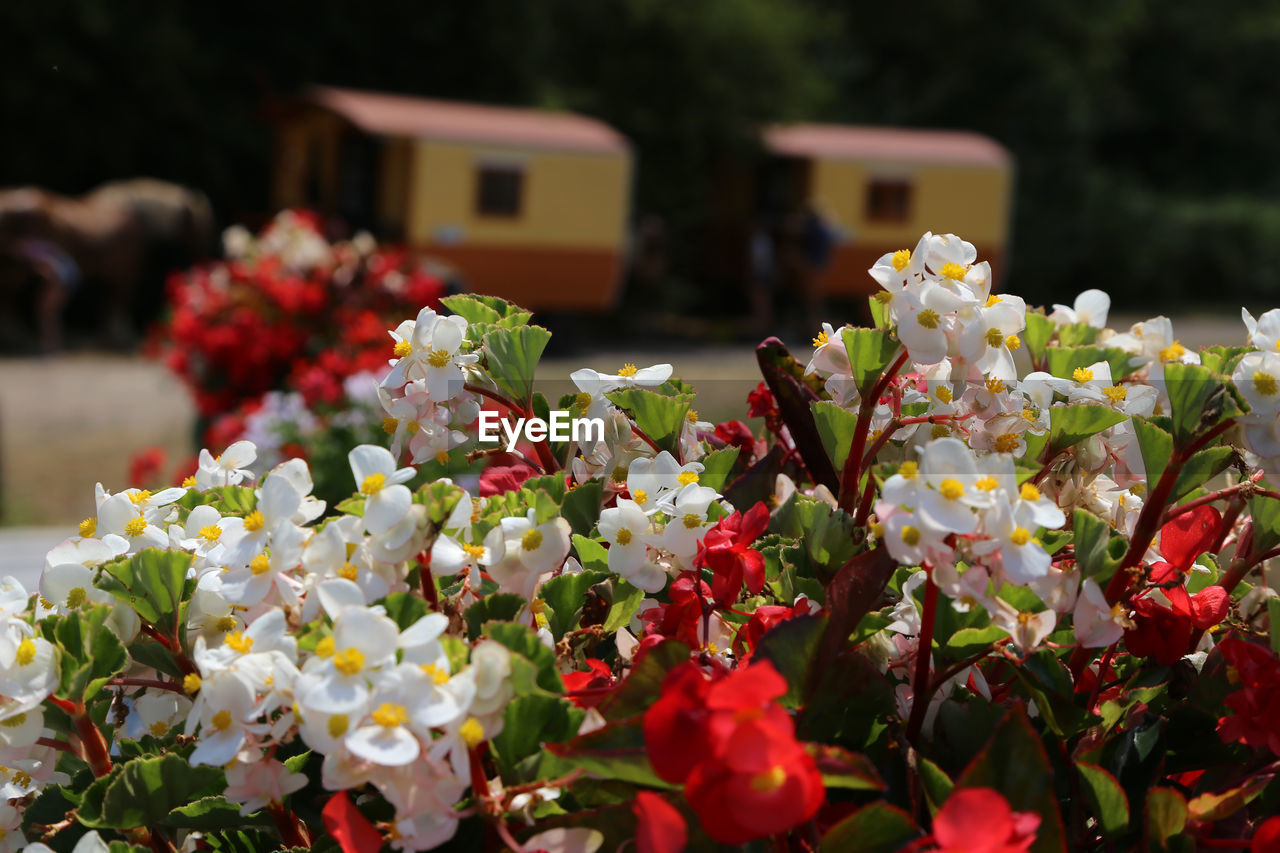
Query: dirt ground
69,421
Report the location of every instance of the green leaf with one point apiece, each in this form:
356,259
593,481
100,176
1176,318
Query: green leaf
1197,398
405,608
870,625
1037,335
1156,445
91,652
877,828
151,582
1063,361
836,426
1069,425
525,643
969,641
1050,685
591,554
827,534
1014,763
1219,805
643,686
212,813
1273,617
471,308
614,751
661,418
879,313
514,355
841,768
626,601
1166,815
869,351
565,596
148,789
1093,538
791,647
1076,334
794,393
500,607
1201,468
1265,513
716,467
937,784
1108,802
440,498
156,656
581,506
529,722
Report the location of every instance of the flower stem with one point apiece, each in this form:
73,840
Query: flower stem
293,832
92,744
920,692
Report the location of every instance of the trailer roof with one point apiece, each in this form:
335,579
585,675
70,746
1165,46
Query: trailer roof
400,115
885,144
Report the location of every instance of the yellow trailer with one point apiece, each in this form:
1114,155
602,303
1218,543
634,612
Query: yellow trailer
529,205
878,189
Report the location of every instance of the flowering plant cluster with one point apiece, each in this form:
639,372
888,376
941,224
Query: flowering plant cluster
287,311
989,579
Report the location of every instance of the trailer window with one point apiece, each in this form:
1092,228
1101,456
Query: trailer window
888,200
499,190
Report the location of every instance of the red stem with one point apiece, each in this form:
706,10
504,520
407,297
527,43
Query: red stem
1221,494
428,580
920,692
545,456
852,475
93,744
293,832
60,745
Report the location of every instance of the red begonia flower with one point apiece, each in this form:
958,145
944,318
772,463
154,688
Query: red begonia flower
1158,632
497,479
761,622
1189,535
1205,609
660,828
352,830
726,551
1266,838
979,820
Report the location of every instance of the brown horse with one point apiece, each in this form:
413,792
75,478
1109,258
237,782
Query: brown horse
114,244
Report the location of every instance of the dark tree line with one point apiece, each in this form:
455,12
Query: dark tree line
1144,130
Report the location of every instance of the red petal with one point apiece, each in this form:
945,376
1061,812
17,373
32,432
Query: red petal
977,819
1267,838
754,523
498,479
1209,607
349,828
1189,535
660,828
1163,573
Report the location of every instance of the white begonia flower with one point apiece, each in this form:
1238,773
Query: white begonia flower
384,736
202,532
1257,377
387,501
28,669
244,538
1027,629
430,353
988,340
1264,332
1098,624
266,579
21,729
260,655
924,317
229,469
86,552
491,668
625,528
904,536
224,714
154,505
296,472
651,479
1021,555
1090,307
948,466
531,550
68,585
158,711
124,529
688,523
829,354
337,678
261,783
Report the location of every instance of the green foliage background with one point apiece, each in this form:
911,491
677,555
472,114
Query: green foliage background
1143,129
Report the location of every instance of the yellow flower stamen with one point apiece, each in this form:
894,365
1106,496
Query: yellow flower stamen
910,535
684,478
349,571
1082,374
338,725
1030,492
628,370
210,533
691,521
76,597
140,496
239,642
439,358
1264,383
951,489
820,340
435,673
995,337
532,540
640,496
135,527
928,318
390,715
900,259
88,527
991,300
955,272
260,564
191,683
987,484
1007,442
254,521
373,484
348,661
26,652
995,386
1173,352
943,394
227,623
624,536
909,469
221,721
1013,342
471,732
1116,394
324,648
402,348
473,552
1020,536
